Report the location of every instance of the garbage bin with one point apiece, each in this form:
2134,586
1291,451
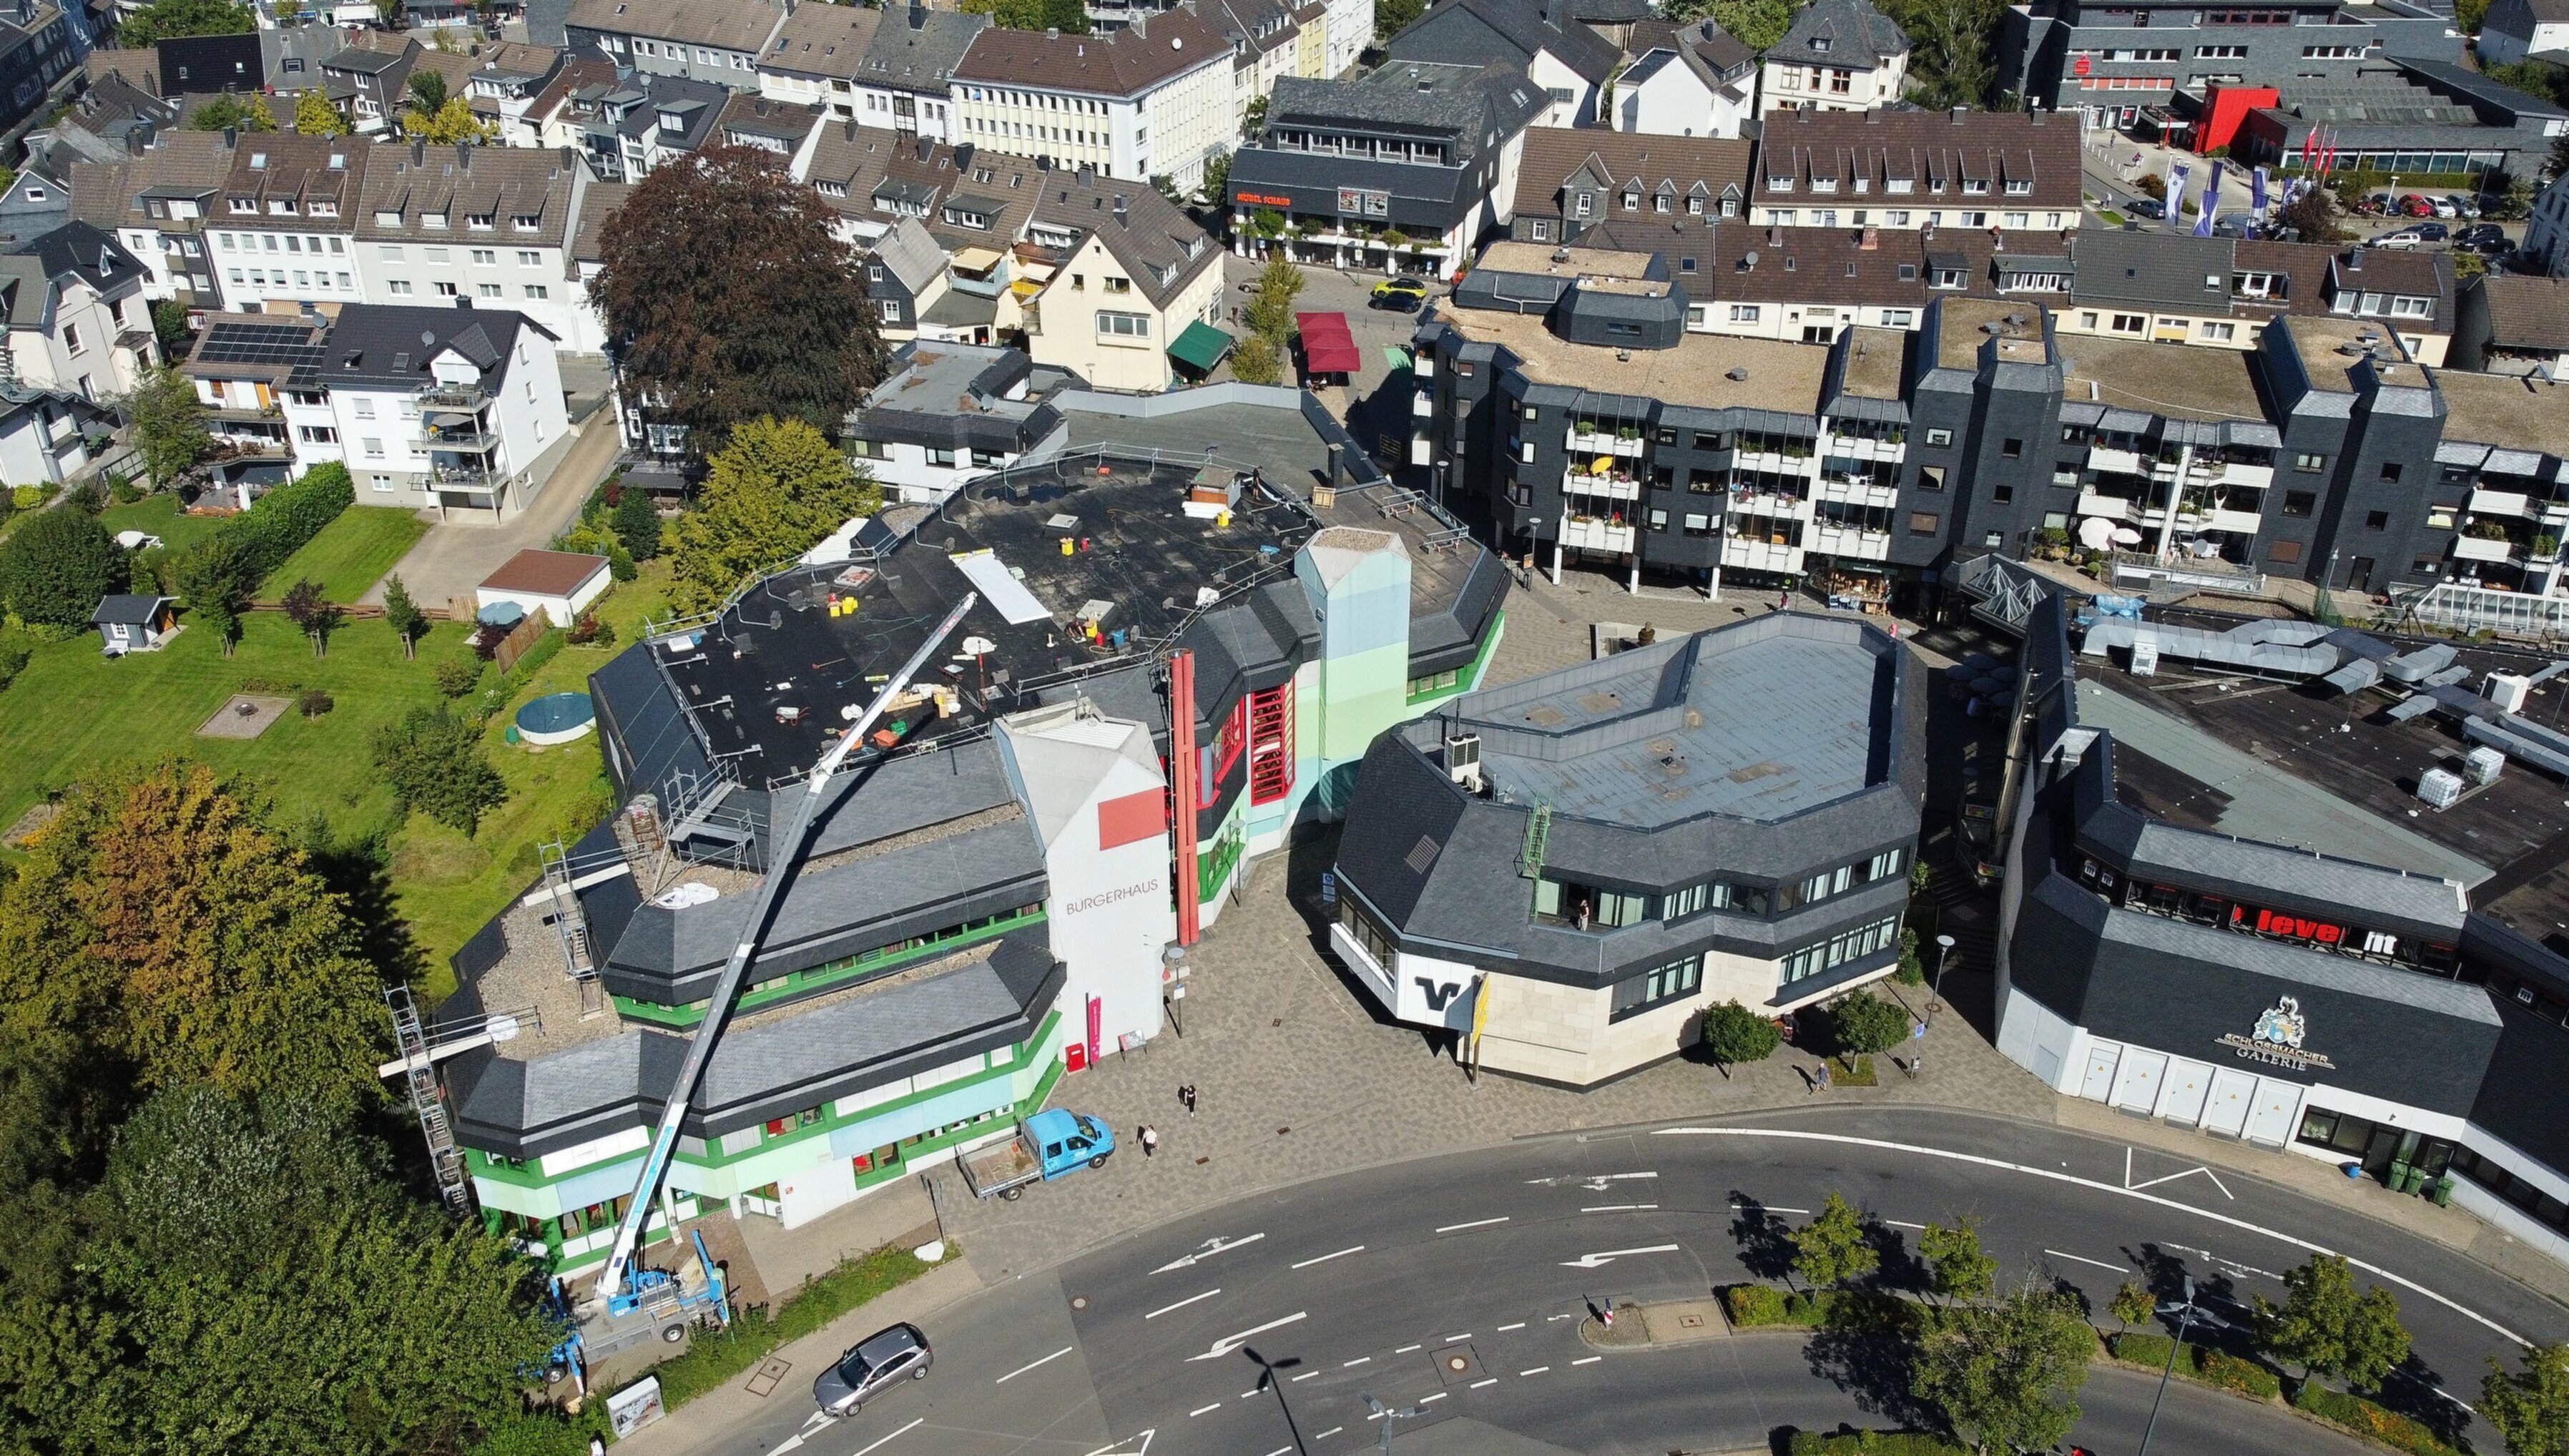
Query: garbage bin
2397,1180
2441,1191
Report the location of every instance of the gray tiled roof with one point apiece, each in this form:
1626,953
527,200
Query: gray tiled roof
1502,32
1466,103
1849,33
387,346
2154,269
1156,241
917,50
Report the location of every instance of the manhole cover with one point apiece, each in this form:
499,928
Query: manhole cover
1079,1301
1458,1364
1690,1321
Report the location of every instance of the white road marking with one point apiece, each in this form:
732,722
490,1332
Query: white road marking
1331,1431
1207,1249
1405,1349
1377,1415
1765,1208
2088,1183
1477,1384
914,1423
1600,1260
2083,1258
1326,1257
1281,1451
1557,1318
1110,1449
1182,1303
1307,1375
1519,1324
1431,1400
1046,1361
2229,1264
1362,1359
1466,1335
1592,1182
1592,1359
1231,1343
1903,1223
1201,1409
1475,1224
1537,1370
1248,1395
1620,1209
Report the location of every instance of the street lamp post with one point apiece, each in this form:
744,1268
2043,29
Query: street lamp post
1936,987
2185,1320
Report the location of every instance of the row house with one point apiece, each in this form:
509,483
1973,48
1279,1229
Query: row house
157,201
1693,80
281,230
483,226
558,114
1571,181
816,56
642,122
506,81
1569,62
790,129
1909,170
1131,275
907,80
719,42
1151,100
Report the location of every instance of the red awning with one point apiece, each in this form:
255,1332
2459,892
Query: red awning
1327,345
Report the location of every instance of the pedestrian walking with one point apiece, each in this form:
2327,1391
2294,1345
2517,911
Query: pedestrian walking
1150,1140
1187,1096
1824,1079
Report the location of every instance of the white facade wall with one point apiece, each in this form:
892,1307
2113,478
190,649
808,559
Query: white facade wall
491,269
1068,313
1188,117
936,116
272,267
1350,26
1783,86
1108,132
1574,98
2547,232
79,350
1674,102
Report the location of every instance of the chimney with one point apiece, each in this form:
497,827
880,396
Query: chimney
418,153
2355,259
1871,241
1141,24
463,156
917,15
232,138
1337,466
1961,112
1053,33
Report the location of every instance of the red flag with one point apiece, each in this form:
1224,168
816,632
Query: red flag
2310,145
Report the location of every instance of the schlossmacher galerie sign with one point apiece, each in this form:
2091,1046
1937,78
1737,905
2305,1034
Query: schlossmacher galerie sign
2276,1039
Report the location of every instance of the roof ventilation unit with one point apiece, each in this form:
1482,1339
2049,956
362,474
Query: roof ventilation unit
2440,788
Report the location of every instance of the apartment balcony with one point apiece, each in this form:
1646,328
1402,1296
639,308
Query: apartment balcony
1596,533
1845,492
2237,523
1761,503
1856,447
1741,553
1422,366
1612,487
1849,540
1424,403
2475,549
475,438
2485,501
2121,462
1778,462
1601,442
2233,475
467,398
2112,507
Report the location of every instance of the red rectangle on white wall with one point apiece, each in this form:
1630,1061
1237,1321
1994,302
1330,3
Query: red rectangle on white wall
1133,817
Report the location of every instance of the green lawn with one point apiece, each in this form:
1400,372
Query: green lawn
148,706
351,553
160,516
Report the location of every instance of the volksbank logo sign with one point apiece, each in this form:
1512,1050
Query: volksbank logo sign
2277,1039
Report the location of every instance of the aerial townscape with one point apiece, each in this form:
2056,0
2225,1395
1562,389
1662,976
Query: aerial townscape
1277,727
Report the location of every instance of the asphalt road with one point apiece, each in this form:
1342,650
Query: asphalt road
1457,1284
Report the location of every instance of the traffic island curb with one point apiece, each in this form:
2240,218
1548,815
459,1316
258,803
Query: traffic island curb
1660,1325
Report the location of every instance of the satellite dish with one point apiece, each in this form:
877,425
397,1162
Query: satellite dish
979,646
2095,533
427,338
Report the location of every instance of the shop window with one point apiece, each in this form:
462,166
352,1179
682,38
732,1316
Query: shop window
779,1127
1657,986
1585,906
1271,743
1840,949
1367,934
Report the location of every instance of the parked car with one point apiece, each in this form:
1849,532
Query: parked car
2147,208
2463,205
2403,240
2414,205
2478,233
1416,288
1397,302
2443,206
2374,205
2433,233
866,1371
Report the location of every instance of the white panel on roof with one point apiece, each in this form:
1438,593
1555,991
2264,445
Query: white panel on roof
1001,589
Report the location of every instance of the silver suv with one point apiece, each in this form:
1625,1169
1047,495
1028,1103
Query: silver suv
898,1353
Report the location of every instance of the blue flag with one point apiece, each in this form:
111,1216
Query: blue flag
2211,202
2257,191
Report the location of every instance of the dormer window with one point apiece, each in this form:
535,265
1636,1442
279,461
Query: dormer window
1900,186
1949,279
282,206
1779,183
526,222
434,220
1819,43
1824,185
385,218
1976,186
1631,202
322,209
2016,188
482,221
243,204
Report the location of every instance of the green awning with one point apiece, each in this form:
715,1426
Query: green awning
1395,358
1201,348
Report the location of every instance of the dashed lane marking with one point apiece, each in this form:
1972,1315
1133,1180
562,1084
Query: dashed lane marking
1439,1395
1475,1224
1405,1349
1182,1303
1046,1361
1201,1409
1592,1359
1326,1257
1331,1431
1477,1384
1537,1370
2055,1176
915,1423
1361,1359
1620,1208
1307,1375
2083,1258
1466,1335
1504,1329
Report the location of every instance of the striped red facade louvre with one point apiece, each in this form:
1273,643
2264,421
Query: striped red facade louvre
1271,743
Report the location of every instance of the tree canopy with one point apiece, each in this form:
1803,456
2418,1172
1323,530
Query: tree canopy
169,423
2530,1409
1069,17
1949,60
772,494
169,19
1834,1248
238,113
314,116
733,298
451,120
55,566
1957,1267
158,919
2007,1375
1734,1035
2327,1328
436,766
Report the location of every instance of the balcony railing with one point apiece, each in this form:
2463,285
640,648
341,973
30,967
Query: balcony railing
2478,548
1614,487
453,397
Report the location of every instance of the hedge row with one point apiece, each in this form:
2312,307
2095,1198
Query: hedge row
287,517
1873,1443
1756,1305
2213,1367
2366,1418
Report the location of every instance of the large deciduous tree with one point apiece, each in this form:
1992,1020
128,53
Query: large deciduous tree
169,423
1949,61
774,492
314,116
171,19
2531,1410
2007,1375
435,765
2327,1328
158,920
731,297
216,577
55,566
1835,1248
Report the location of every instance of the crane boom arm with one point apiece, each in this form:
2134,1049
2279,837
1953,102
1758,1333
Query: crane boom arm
789,849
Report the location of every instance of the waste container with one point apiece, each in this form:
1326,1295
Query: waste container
2441,1191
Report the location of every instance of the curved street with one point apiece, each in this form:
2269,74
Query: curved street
1457,1285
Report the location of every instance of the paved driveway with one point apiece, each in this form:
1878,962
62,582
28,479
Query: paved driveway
455,556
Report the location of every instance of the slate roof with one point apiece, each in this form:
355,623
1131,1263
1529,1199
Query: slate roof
381,346
1558,159
2419,275
2527,313
1843,33
1126,63
1464,103
598,203
1502,32
79,250
1925,148
502,183
823,39
918,49
126,611
855,165
188,163
2154,269
910,253
1160,246
749,119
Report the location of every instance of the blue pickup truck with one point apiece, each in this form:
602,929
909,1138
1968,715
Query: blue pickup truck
1048,1145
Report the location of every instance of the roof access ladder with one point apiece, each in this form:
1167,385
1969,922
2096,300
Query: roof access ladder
792,842
427,1102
